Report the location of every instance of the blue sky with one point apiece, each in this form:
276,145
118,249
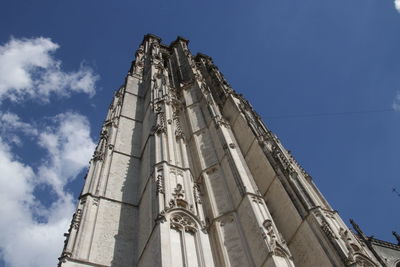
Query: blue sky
300,63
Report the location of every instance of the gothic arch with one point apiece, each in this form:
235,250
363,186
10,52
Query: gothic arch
186,247
183,221
364,260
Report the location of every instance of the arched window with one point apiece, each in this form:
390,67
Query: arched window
185,247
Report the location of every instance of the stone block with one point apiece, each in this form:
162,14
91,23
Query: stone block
217,194
123,179
231,109
151,256
133,86
205,148
146,220
196,118
147,129
302,243
230,242
128,137
114,235
282,210
132,107
217,142
252,230
191,95
146,169
259,166
232,184
243,133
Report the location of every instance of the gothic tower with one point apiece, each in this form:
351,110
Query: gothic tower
187,174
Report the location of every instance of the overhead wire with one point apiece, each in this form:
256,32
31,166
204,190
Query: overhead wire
327,114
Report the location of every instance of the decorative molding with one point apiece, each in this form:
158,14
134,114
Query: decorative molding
183,222
196,193
76,219
160,187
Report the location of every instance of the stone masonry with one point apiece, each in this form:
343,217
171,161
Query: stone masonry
186,174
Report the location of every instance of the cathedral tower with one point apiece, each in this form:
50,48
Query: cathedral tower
186,174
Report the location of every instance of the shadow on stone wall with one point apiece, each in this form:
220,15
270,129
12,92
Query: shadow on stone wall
125,249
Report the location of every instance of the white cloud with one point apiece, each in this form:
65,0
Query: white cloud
24,240
28,69
69,147
396,102
11,124
397,4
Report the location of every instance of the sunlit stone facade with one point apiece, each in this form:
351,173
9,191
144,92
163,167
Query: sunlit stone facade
186,174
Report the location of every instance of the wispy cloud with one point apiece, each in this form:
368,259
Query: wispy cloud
396,102
28,69
68,147
11,126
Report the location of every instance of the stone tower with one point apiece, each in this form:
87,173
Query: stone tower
186,174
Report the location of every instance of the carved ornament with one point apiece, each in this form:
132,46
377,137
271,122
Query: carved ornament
183,222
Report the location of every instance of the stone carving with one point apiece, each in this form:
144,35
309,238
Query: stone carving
179,192
104,134
157,83
160,184
276,243
159,126
325,227
257,199
226,219
327,230
269,234
199,78
139,61
83,200
344,235
155,50
205,90
196,193
178,131
192,64
138,68
76,219
98,156
140,54
183,222
96,201
363,261
187,53
178,198
219,121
